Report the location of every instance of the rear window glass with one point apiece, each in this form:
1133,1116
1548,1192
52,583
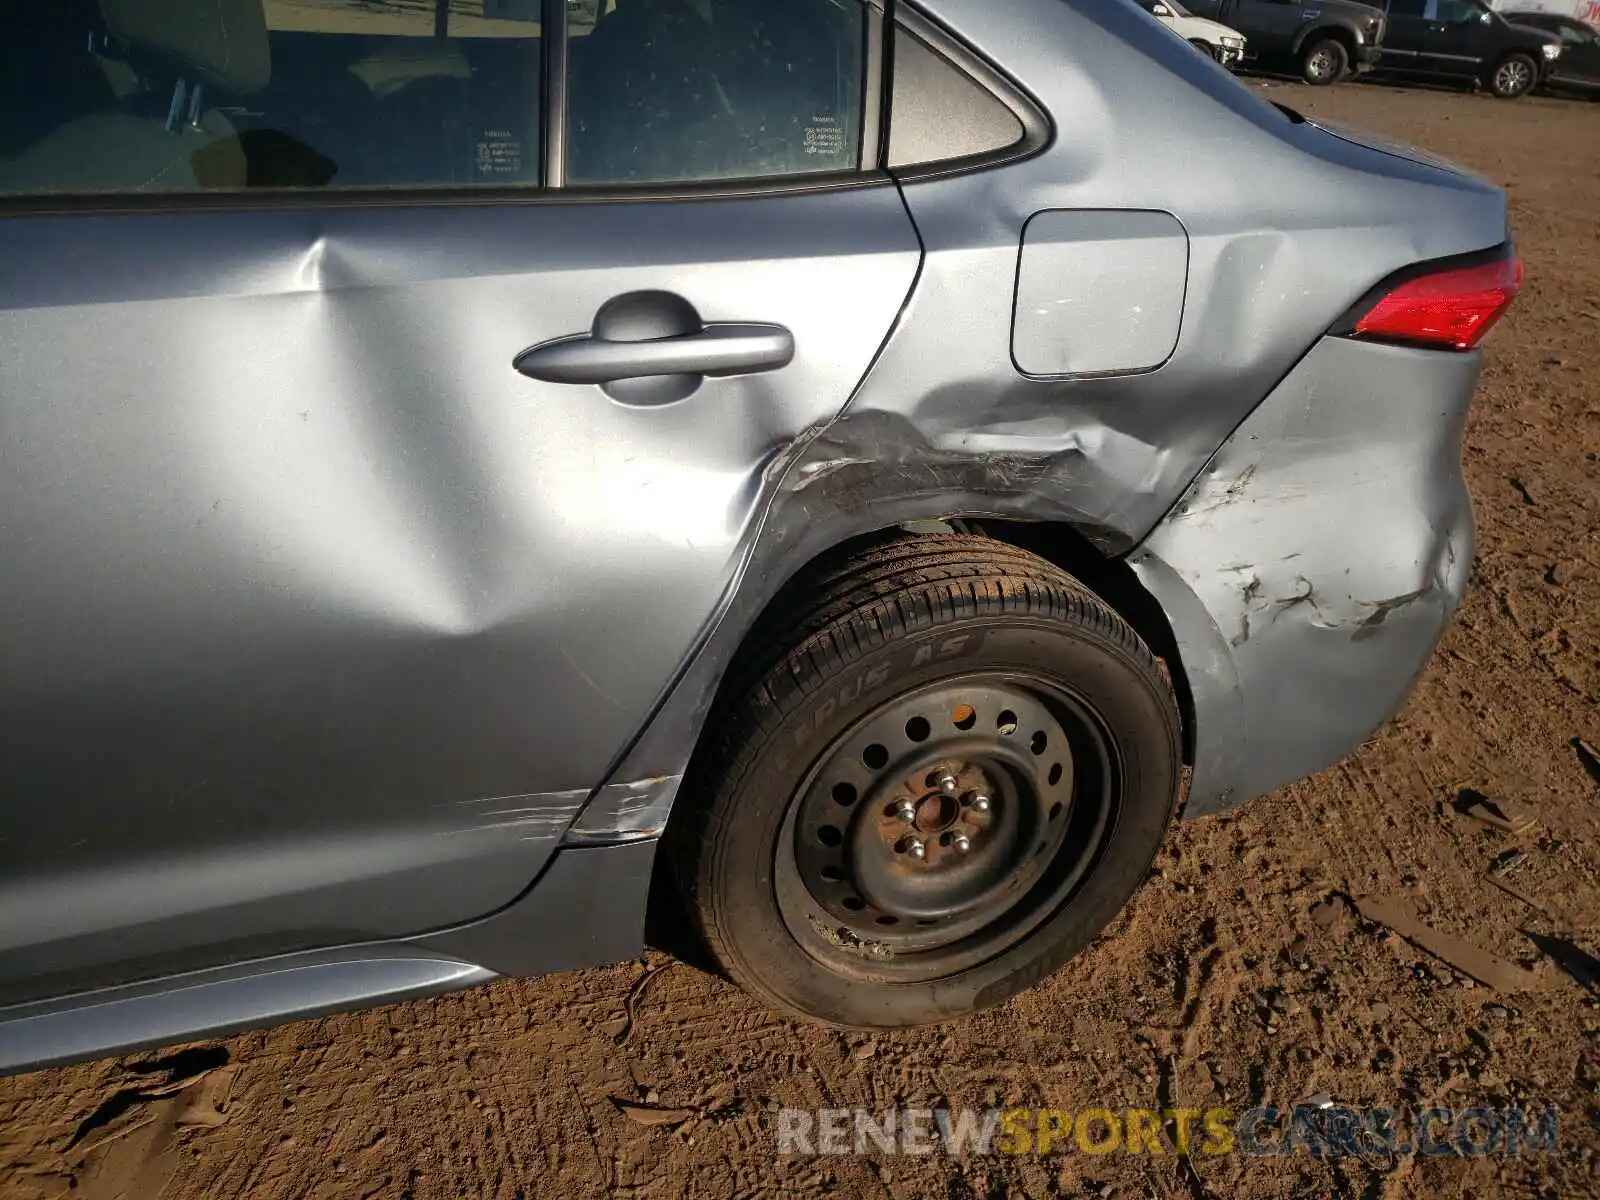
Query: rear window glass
666,91
126,96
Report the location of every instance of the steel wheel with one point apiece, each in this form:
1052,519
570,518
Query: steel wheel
939,830
1325,62
940,774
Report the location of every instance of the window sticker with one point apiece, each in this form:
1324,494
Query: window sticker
824,137
498,156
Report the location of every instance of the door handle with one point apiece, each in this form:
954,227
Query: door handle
715,350
650,348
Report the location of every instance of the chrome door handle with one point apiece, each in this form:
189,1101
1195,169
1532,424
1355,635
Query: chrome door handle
650,348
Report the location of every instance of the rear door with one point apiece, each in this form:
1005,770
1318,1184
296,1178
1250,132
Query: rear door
1463,35
320,616
1408,37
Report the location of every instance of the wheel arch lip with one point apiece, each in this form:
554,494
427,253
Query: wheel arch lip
843,507
638,800
1332,28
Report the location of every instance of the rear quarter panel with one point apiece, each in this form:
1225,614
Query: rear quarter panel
1287,226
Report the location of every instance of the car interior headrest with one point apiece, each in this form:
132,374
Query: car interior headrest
223,42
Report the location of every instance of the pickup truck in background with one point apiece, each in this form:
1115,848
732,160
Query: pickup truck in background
1321,40
1221,43
1466,41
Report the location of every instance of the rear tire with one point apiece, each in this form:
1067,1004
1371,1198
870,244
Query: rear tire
1513,76
1324,61
940,772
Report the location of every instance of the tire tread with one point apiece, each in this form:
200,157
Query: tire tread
865,599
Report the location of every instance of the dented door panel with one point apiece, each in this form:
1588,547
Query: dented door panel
322,621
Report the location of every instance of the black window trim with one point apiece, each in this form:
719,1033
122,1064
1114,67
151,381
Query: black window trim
553,92
878,85
874,94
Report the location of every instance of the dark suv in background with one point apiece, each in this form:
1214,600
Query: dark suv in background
1466,40
1578,66
1323,41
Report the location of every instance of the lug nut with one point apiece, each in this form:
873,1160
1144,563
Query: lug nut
917,850
980,803
948,783
961,843
906,811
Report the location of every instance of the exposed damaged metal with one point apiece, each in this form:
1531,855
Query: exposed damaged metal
537,815
1269,504
624,812
1381,610
1352,509
847,939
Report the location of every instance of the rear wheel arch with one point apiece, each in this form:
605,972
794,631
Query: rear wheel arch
1316,33
1107,576
1114,581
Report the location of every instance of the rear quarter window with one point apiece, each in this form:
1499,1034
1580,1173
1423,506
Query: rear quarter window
937,112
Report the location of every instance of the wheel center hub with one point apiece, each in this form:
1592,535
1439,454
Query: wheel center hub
929,820
933,817
937,812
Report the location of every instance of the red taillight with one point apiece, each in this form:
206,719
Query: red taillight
1452,309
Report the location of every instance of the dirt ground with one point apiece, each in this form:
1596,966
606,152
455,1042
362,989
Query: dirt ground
1223,984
